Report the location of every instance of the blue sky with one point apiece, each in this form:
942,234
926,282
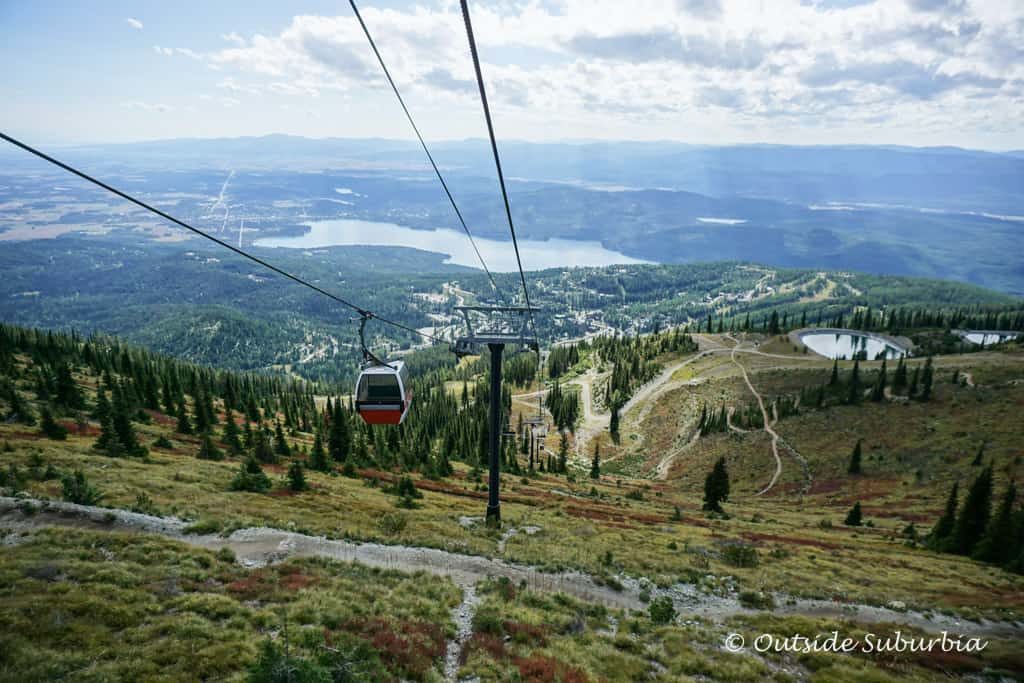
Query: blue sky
703,71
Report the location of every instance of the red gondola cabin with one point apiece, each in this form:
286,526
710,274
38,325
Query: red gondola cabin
383,394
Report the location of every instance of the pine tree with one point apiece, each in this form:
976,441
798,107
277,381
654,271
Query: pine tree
974,515
563,453
280,443
854,517
978,457
49,426
318,456
231,433
595,463
184,426
108,441
123,426
296,477
262,449
716,487
855,391
899,379
926,380
878,392
940,534
998,543
339,435
208,449
250,477
854,467
914,381
67,393
834,379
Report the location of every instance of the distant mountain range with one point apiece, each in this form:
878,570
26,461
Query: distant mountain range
937,211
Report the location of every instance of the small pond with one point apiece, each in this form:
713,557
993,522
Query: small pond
850,344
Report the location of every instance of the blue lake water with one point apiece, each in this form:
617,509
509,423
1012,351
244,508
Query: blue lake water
846,345
499,255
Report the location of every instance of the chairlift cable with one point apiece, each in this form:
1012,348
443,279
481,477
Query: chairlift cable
363,312
423,144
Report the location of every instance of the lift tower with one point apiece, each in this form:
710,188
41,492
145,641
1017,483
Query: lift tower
495,326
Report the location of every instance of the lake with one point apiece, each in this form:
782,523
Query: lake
846,344
499,255
986,338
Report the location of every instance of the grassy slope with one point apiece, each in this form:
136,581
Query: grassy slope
610,532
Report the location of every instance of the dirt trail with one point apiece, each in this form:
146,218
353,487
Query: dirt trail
767,425
256,547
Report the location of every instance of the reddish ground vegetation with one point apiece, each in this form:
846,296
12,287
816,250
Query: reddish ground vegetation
539,669
408,648
161,418
526,634
790,540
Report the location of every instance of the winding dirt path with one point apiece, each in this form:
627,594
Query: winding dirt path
255,547
767,425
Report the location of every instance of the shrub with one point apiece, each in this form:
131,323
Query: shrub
274,666
740,554
392,523
662,610
204,526
350,659
50,428
757,600
250,477
78,490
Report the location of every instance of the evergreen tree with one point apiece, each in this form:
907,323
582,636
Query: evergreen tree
339,435
280,443
318,456
855,391
979,456
914,380
613,425
854,467
49,426
231,433
297,477
974,515
67,393
878,392
184,425
899,380
108,441
123,426
250,477
940,534
208,449
834,379
77,489
716,487
999,542
595,463
262,449
854,517
926,380
563,453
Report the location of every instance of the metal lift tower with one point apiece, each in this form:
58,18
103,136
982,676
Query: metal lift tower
495,326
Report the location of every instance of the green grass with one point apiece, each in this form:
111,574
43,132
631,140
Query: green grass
99,606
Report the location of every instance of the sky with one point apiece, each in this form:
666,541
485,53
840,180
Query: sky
915,72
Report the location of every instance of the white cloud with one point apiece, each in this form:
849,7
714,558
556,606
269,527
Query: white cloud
233,38
134,23
745,63
147,106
